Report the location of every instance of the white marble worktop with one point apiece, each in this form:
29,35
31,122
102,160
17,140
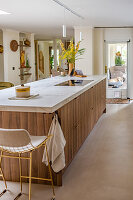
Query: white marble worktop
50,97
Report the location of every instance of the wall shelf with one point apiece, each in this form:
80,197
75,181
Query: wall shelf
25,67
26,49
28,74
23,45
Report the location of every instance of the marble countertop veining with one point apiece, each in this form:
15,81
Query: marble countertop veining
50,97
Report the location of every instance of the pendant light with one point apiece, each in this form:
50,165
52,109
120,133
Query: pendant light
71,11
64,26
80,36
64,31
80,33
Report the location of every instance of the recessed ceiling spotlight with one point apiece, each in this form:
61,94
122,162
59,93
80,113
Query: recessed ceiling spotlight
4,13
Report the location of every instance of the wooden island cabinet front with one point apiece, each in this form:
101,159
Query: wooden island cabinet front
77,119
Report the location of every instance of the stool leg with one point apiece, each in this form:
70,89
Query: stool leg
50,171
30,175
2,174
20,169
3,178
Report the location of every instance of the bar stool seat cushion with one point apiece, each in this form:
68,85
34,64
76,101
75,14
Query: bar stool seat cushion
36,141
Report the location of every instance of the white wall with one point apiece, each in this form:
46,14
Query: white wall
86,63
98,55
46,59
1,59
32,57
11,59
55,53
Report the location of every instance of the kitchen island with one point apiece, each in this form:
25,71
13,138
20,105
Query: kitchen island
78,105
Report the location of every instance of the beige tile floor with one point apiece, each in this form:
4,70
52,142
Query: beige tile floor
102,169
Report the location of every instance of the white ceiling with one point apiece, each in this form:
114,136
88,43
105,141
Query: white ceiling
45,17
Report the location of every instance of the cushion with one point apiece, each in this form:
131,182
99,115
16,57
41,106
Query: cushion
116,84
6,85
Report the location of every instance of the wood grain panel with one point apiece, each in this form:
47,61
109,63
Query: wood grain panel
77,119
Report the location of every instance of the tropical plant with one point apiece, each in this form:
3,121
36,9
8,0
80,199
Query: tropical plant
72,53
52,62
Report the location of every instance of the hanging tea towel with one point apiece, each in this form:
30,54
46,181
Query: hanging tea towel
55,146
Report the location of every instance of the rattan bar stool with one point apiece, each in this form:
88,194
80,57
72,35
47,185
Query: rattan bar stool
17,142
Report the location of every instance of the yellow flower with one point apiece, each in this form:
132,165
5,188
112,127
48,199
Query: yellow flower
62,46
70,53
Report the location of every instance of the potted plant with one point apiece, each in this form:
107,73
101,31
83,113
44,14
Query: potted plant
118,59
71,54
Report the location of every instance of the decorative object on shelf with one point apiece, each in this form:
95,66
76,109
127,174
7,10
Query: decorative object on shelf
27,61
1,48
22,58
14,45
27,42
71,54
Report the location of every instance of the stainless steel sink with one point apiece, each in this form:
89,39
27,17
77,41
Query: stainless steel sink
75,83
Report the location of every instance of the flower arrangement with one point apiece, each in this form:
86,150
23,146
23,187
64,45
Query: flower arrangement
118,53
72,53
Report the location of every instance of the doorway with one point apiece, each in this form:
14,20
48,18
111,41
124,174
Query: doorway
46,57
117,69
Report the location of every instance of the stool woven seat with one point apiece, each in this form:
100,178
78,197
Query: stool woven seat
36,141
17,142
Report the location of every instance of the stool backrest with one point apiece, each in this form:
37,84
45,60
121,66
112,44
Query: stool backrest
14,137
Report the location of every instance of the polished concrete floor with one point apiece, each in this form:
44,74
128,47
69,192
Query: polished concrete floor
102,169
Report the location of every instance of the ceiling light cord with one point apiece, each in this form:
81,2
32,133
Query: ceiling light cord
69,9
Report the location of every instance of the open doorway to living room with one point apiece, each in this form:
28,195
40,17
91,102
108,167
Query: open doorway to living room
117,69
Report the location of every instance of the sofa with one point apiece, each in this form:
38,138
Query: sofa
118,71
117,76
